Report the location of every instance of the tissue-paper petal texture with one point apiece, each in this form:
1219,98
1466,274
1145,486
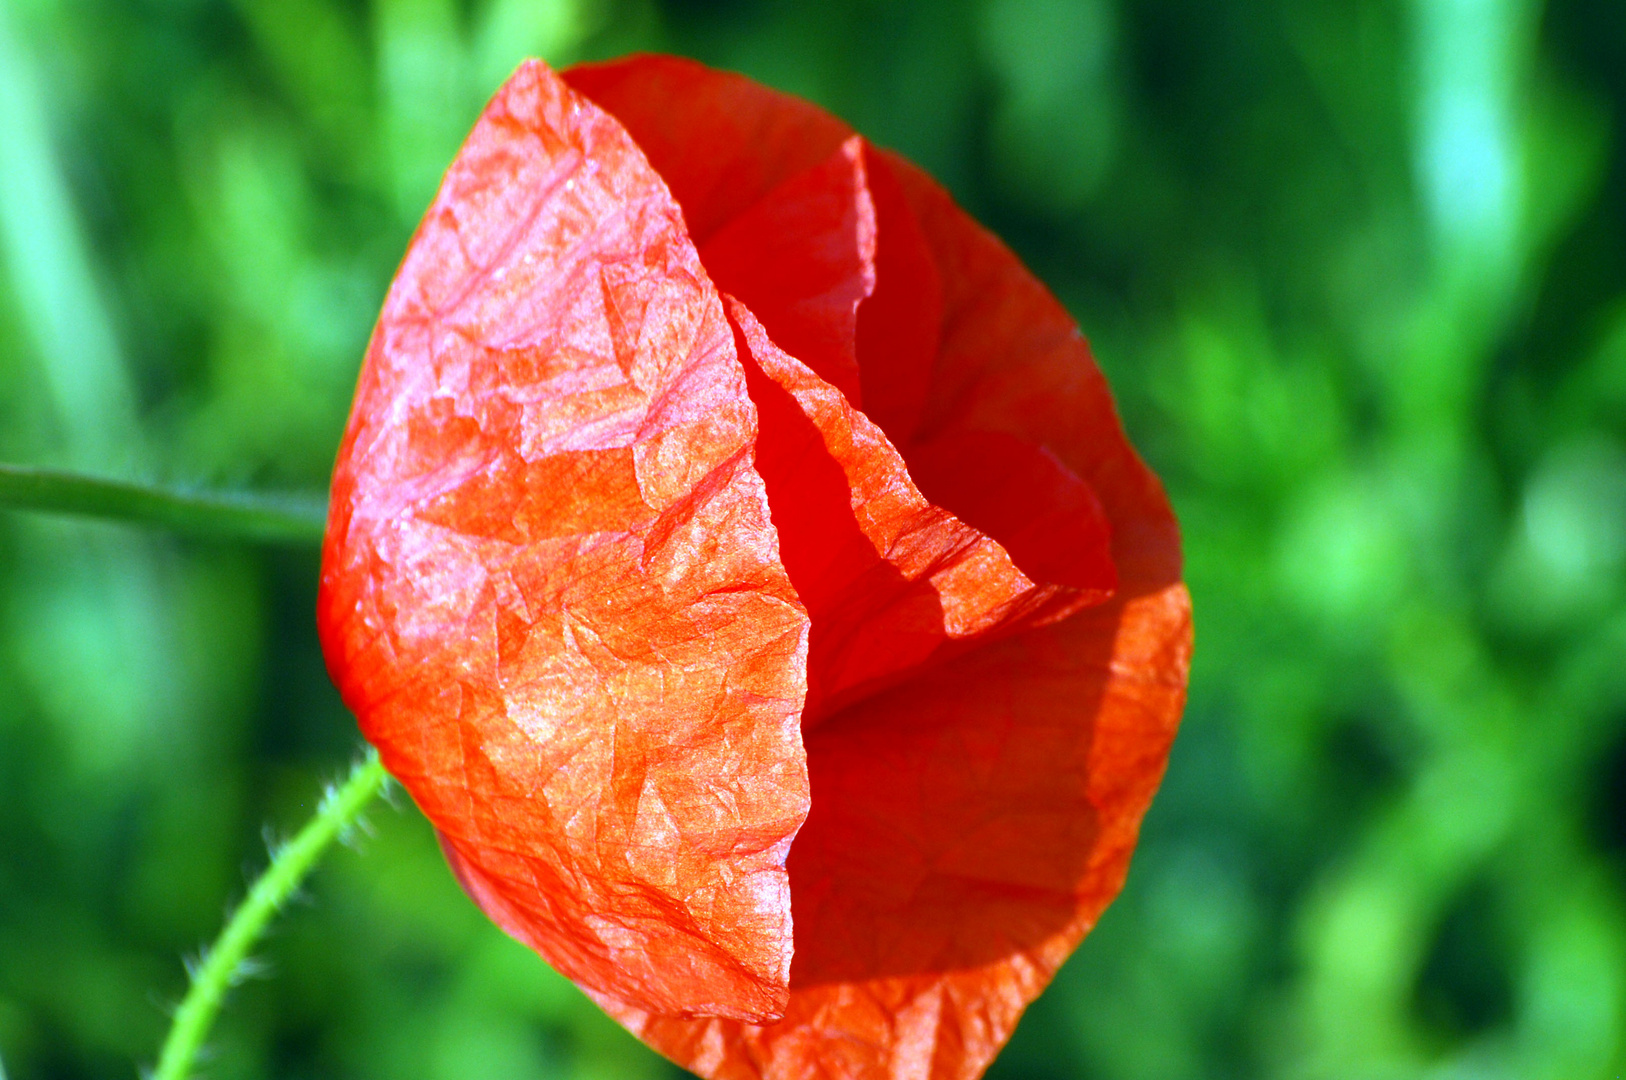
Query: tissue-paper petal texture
552,589
736,554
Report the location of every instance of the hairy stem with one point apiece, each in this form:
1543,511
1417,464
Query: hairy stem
284,519
221,965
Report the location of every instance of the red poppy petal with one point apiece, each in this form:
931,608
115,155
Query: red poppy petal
970,825
803,259
720,141
968,829
1049,520
551,588
1013,360
900,325
890,581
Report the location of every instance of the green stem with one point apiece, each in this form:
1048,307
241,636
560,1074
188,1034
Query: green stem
340,809
283,519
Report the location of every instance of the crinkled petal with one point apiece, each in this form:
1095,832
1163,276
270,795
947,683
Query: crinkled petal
720,141
803,259
800,240
552,590
1049,520
900,326
967,831
1012,360
970,825
890,581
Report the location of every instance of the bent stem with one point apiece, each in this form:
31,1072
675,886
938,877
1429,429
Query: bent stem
286,519
222,963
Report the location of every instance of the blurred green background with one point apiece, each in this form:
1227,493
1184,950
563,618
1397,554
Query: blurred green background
1357,272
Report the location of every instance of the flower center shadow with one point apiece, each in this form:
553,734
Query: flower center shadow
951,823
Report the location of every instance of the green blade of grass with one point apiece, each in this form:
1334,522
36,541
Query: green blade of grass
278,519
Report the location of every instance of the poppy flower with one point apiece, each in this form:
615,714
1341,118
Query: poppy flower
736,554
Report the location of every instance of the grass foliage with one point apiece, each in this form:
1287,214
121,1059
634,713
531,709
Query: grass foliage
1356,270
